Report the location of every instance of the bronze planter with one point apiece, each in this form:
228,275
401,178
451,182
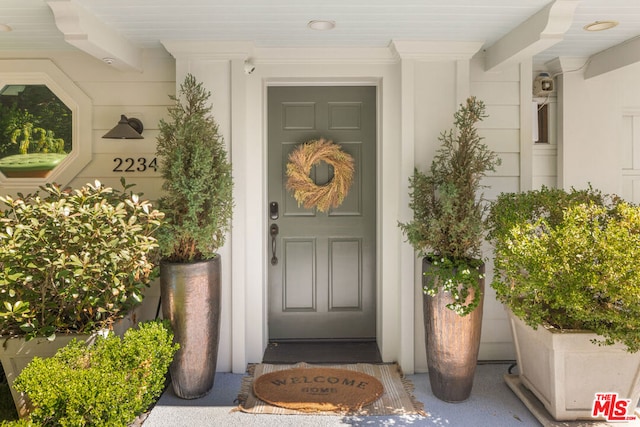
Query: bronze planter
452,344
191,301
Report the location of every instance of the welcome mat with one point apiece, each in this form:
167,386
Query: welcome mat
318,389
396,397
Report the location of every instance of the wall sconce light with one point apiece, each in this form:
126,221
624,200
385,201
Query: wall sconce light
127,128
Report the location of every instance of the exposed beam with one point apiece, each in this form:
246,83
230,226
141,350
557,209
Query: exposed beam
84,31
434,50
539,32
615,57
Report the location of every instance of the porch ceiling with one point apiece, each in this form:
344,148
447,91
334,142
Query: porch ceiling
509,30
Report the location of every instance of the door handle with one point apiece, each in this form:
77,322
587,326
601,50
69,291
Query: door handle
273,230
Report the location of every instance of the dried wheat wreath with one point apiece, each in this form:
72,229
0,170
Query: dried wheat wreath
305,191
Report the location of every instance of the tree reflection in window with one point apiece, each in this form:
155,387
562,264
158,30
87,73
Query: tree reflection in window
32,120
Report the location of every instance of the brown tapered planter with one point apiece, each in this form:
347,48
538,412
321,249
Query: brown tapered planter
452,344
191,301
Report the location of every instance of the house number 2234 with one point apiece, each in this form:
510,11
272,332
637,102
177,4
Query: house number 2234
130,164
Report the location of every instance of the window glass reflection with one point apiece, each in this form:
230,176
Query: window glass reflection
35,130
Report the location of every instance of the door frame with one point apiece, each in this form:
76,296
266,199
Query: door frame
395,277
395,290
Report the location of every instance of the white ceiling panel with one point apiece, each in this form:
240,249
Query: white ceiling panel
283,23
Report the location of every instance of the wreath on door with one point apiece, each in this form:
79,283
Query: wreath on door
306,192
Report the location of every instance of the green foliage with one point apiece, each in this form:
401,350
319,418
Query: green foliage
11,119
198,199
25,136
17,423
106,384
38,105
569,259
448,207
73,260
459,278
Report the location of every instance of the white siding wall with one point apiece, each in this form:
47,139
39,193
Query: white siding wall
501,92
628,83
589,126
598,128
142,95
630,152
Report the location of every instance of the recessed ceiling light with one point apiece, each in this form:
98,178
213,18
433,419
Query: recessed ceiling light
4,28
600,25
321,25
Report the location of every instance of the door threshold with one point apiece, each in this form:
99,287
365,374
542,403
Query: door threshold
342,352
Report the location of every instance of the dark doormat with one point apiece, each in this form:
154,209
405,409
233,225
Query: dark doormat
322,352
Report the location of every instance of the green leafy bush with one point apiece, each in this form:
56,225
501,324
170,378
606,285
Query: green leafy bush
73,260
46,143
18,423
198,200
448,208
569,259
106,384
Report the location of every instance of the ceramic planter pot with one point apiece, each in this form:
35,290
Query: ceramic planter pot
452,344
565,370
191,301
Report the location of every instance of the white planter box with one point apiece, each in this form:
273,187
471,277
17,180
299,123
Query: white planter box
565,370
16,353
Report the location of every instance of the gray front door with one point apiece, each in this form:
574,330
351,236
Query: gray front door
323,284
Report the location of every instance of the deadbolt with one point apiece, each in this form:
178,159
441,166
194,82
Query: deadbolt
273,210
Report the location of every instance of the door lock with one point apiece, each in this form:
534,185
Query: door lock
273,210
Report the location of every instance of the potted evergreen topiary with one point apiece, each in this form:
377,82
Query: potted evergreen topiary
447,230
71,262
197,204
566,266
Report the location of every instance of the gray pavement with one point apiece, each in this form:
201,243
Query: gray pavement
492,403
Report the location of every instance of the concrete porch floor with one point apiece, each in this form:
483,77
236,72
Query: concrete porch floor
492,403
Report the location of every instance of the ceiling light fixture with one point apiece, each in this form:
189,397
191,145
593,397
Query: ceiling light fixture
600,25
4,28
321,25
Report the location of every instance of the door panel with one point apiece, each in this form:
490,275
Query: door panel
323,285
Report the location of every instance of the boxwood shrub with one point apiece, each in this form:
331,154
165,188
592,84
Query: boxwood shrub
569,259
108,383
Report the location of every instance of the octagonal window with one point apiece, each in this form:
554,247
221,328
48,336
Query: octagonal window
45,126
35,130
